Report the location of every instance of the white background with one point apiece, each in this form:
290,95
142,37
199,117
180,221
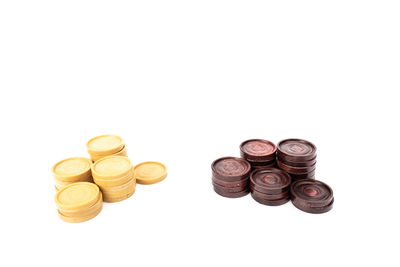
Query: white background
185,82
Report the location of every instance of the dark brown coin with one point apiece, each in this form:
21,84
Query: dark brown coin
308,193
295,170
263,167
270,202
315,210
269,196
223,183
258,150
230,195
270,180
262,163
296,150
230,169
231,189
310,175
297,164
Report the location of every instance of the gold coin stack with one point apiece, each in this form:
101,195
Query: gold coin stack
79,202
106,145
72,170
114,175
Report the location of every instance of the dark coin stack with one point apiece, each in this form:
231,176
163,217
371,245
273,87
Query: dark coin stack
298,158
270,186
230,177
311,196
259,153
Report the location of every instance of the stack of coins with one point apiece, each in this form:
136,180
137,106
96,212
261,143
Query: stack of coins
270,186
114,175
72,170
230,177
311,196
79,202
150,172
259,153
297,157
106,145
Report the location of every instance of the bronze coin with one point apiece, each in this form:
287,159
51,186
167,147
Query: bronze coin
230,195
231,189
261,163
295,170
296,150
270,180
270,202
315,210
297,164
269,196
223,183
310,193
230,169
296,177
258,150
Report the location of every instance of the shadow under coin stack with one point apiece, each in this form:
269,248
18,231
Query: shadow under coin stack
298,158
106,145
311,196
259,153
114,175
230,177
79,202
72,170
270,186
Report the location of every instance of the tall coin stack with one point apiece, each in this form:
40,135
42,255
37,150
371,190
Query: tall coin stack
106,145
298,158
230,177
72,170
259,153
115,177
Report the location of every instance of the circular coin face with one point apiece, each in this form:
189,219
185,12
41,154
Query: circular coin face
258,150
72,167
270,180
150,172
297,149
111,166
77,196
309,193
105,144
230,168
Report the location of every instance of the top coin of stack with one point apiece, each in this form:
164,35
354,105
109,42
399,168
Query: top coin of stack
115,177
106,145
259,153
297,157
72,170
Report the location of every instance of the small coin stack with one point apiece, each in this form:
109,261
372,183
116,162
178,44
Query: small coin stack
259,153
311,196
230,177
270,186
115,177
106,145
72,170
79,202
298,158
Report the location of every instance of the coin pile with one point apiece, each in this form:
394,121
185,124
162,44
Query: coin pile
259,153
230,177
106,145
72,170
270,186
115,177
311,196
298,158
79,202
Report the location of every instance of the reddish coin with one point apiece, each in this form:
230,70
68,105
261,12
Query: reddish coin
310,175
258,150
296,150
230,195
270,180
262,163
230,169
269,196
270,202
310,193
315,210
297,164
231,189
263,167
295,170
223,183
